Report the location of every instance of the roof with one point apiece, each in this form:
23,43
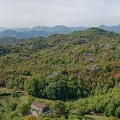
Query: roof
38,105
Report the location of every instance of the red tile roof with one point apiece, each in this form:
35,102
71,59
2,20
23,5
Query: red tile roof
38,105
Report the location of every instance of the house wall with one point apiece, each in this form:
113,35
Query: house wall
46,109
37,111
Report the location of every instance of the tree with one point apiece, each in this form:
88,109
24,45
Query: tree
100,107
13,114
59,108
117,112
41,87
23,108
30,99
57,90
32,87
35,87
13,106
15,94
72,89
110,109
80,111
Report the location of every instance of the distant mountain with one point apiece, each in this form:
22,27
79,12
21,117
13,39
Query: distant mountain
22,29
115,28
41,28
61,29
2,29
42,31
56,29
81,28
45,31
25,34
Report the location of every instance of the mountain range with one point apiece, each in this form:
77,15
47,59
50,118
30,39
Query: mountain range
45,31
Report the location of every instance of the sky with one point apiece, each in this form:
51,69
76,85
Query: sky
30,13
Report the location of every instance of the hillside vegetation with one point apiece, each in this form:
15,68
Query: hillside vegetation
84,66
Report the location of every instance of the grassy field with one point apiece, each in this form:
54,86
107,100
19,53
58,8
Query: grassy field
96,117
3,90
24,97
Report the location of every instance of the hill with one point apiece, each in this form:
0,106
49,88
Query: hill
45,31
81,65
75,54
24,34
115,28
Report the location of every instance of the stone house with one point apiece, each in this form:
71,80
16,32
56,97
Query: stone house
38,108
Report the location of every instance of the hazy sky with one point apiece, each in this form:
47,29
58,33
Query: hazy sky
29,13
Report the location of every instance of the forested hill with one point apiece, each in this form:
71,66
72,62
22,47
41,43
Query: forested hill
79,64
89,34
95,34
61,67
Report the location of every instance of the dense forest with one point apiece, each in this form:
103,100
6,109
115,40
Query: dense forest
81,69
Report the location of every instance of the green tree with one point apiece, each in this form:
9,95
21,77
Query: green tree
72,89
100,107
59,108
117,112
30,99
57,90
23,108
110,109
80,111
35,87
32,87
13,106
41,87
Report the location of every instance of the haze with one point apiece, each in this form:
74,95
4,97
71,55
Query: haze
29,13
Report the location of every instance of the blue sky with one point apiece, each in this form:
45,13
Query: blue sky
29,13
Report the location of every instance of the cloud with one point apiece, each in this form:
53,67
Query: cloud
19,13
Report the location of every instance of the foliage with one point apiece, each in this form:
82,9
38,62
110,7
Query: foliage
117,112
23,108
31,117
80,65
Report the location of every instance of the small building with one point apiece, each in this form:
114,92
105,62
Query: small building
38,108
